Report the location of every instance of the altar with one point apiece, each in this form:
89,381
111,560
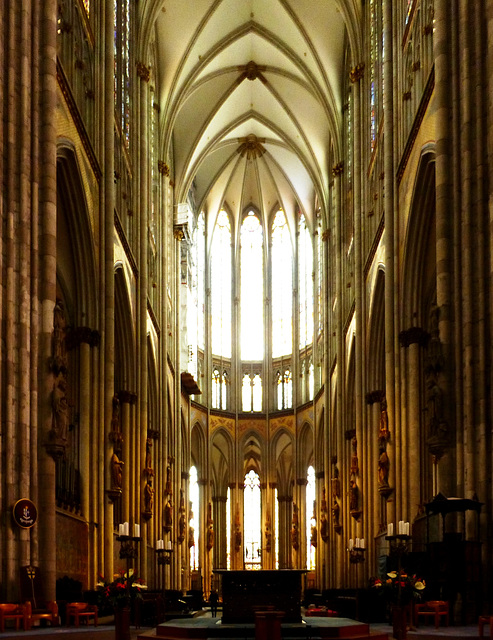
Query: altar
246,592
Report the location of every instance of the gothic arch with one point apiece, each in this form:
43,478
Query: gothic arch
76,262
222,457
376,336
125,365
198,450
282,450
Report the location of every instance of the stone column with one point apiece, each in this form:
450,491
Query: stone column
220,532
108,287
413,339
444,206
144,203
47,276
283,532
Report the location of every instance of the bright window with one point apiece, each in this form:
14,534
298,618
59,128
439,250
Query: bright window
193,493
305,284
310,519
252,289
252,521
221,287
282,287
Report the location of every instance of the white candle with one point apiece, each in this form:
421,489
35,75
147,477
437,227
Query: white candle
137,530
351,544
159,544
120,529
362,543
168,545
357,543
407,528
390,529
125,529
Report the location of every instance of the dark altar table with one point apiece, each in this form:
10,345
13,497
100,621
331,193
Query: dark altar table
246,592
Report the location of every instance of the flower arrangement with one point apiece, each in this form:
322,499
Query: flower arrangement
115,594
399,587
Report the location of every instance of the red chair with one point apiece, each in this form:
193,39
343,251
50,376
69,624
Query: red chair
15,612
50,614
485,620
82,611
433,608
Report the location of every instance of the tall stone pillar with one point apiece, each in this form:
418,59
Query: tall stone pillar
220,531
283,533
47,277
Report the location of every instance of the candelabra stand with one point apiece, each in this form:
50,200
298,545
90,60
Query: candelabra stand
163,558
128,551
398,547
357,550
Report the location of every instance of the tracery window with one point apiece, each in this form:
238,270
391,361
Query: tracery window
194,519
376,64
251,392
252,510
219,389
282,287
122,66
305,284
284,381
252,289
310,519
221,287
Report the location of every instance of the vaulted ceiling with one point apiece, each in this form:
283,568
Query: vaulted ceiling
250,97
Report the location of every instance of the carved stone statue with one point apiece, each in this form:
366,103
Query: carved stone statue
59,362
116,472
354,457
383,470
168,517
384,433
149,471
295,543
148,498
210,528
60,408
268,534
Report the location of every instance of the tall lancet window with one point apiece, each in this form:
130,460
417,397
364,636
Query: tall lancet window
311,523
252,510
221,287
282,287
252,289
194,528
200,260
122,66
305,283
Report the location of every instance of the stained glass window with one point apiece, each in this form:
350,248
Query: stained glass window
373,72
252,521
87,6
282,287
200,279
251,392
252,289
221,287
122,66
305,284
194,519
219,384
310,520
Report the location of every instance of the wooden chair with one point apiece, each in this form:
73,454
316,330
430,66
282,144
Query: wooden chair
50,614
82,611
433,608
17,612
485,620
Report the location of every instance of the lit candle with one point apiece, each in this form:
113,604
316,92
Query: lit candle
168,545
390,529
137,530
357,543
407,528
362,543
120,529
125,529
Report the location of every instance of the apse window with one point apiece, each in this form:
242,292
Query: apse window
252,509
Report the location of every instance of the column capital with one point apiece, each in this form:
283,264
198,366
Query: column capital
163,168
375,396
413,335
78,335
143,71
357,72
127,396
338,168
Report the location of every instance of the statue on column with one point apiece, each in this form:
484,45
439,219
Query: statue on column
335,485
237,530
324,524
295,543
148,499
168,517
116,473
59,351
149,471
268,533
354,457
383,433
210,528
354,499
181,523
